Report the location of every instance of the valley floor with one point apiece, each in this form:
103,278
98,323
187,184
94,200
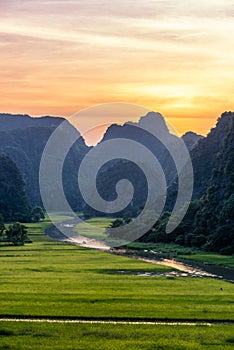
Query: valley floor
48,279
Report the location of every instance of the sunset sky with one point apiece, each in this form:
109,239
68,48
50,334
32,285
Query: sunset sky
174,57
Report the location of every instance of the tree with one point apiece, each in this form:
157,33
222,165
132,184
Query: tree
14,205
2,226
17,234
37,214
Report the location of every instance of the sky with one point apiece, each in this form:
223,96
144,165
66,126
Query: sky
174,57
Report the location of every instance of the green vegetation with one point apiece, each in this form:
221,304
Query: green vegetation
212,258
58,279
43,336
15,234
53,279
13,202
208,223
37,214
99,222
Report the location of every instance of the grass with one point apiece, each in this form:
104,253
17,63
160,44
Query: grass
99,223
43,336
58,279
170,250
48,278
212,258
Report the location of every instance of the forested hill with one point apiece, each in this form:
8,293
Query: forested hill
209,222
215,217
210,152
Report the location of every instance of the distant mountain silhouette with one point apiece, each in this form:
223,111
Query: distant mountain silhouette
24,121
152,132
152,122
23,138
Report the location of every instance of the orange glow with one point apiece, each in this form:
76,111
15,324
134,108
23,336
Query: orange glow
58,57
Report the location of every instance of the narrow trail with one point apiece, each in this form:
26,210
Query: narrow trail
118,322
74,238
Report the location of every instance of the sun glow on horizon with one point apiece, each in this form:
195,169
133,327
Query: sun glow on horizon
59,57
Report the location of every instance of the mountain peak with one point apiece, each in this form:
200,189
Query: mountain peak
153,121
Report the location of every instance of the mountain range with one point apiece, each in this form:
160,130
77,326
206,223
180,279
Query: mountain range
23,138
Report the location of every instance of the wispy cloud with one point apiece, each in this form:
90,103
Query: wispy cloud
57,54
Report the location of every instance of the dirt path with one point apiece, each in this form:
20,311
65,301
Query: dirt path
74,238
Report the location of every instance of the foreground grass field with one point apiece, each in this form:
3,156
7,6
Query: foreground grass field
48,278
58,279
43,336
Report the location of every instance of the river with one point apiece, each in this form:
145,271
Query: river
183,268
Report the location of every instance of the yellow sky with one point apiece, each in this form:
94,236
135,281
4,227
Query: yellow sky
174,57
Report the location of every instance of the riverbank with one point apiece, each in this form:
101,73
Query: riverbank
183,267
189,268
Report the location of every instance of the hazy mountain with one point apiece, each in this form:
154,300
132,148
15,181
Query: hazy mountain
23,121
150,131
24,140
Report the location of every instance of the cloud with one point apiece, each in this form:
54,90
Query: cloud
62,54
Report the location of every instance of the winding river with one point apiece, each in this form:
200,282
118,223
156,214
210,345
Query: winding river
183,268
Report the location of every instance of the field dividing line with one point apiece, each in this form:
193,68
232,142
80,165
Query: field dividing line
41,320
